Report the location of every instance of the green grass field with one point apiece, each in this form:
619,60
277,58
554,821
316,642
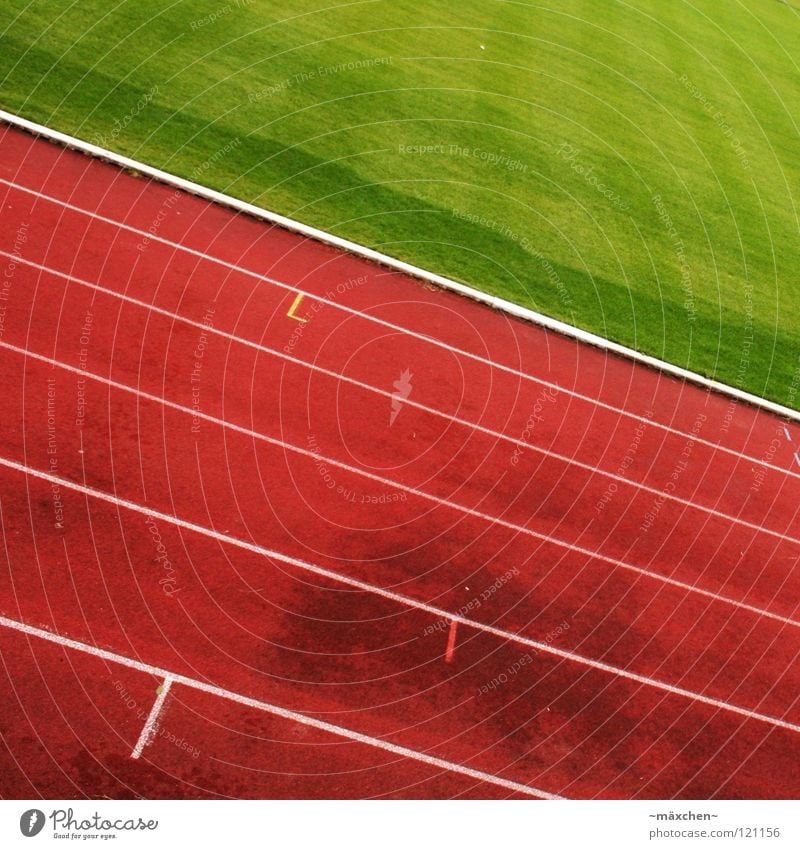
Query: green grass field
629,167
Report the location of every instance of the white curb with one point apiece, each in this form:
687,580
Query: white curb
398,265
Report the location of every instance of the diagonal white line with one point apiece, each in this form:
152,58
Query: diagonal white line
151,725
314,234
405,601
395,327
267,707
518,443
468,511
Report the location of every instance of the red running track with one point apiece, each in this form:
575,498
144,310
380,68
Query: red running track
379,541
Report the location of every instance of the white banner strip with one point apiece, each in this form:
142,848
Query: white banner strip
398,825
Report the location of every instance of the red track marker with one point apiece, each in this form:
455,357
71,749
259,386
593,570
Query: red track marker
451,641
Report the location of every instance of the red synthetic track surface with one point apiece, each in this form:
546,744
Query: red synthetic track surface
314,517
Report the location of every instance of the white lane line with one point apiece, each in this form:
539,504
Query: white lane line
517,443
267,707
151,725
395,327
467,511
405,601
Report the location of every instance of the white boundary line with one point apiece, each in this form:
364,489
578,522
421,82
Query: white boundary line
435,499
151,725
405,601
267,707
368,253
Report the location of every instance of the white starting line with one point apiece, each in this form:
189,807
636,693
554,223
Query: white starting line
151,726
